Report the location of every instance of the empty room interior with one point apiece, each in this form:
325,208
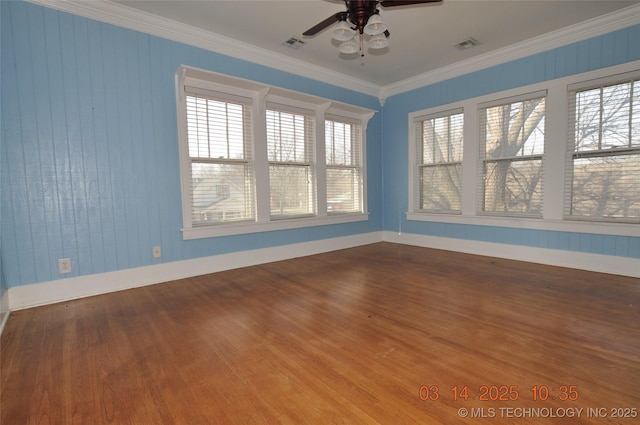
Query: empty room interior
320,212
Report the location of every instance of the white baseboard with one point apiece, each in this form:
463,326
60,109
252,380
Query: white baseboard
624,266
37,294
4,310
4,317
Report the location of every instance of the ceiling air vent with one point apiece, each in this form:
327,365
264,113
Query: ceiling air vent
293,42
467,44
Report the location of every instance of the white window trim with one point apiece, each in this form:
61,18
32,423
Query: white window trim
354,118
573,89
554,169
261,94
281,104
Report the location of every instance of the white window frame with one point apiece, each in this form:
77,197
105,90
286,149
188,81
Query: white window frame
261,95
308,163
358,164
483,160
554,168
573,89
418,145
246,161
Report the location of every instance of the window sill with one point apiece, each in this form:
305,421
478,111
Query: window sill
241,228
595,227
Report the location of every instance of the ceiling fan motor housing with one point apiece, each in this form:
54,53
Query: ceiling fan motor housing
360,11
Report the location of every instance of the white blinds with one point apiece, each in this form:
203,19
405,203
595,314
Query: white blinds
512,137
439,143
343,147
290,150
219,143
603,159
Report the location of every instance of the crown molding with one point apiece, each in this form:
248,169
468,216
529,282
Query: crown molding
126,17
137,20
604,24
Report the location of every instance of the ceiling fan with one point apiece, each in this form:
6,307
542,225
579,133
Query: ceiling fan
365,18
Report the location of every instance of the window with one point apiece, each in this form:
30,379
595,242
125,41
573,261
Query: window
252,157
219,140
603,167
343,147
576,139
439,142
290,144
511,153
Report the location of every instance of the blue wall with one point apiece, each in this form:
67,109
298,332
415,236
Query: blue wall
611,49
89,157
89,147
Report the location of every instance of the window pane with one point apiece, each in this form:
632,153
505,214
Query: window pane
615,116
515,129
343,146
604,156
221,193
439,147
339,146
607,118
587,120
442,139
606,186
291,190
513,186
512,147
343,190
216,129
288,137
441,187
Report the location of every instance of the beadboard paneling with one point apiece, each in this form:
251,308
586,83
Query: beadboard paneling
90,165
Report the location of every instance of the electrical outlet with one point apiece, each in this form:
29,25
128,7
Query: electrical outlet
64,265
157,252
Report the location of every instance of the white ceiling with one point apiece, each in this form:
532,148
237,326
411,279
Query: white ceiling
421,41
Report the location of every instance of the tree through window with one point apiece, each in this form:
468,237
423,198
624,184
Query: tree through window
439,142
604,151
512,149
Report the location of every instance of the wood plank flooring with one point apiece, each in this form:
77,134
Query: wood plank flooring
358,336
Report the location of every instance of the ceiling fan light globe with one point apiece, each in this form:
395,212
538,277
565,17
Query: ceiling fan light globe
378,42
375,25
342,32
349,47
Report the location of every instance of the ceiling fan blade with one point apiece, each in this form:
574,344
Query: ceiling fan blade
391,3
340,16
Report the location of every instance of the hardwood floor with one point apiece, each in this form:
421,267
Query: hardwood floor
358,336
